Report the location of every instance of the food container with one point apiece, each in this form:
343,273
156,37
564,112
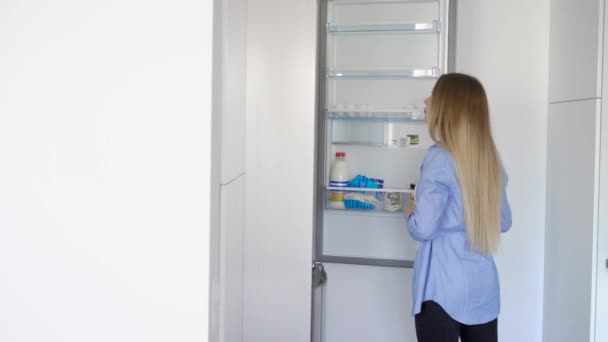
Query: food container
393,201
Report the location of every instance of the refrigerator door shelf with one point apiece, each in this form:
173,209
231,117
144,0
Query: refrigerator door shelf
349,213
366,199
421,73
401,28
403,191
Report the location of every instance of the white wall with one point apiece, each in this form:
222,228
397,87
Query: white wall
506,45
104,170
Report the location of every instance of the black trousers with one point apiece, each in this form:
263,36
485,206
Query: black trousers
433,324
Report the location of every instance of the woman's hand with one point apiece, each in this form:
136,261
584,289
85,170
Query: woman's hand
409,211
411,206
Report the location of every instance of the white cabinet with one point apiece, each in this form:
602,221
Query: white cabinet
571,221
576,249
228,182
575,50
233,74
232,223
601,332
279,164
601,314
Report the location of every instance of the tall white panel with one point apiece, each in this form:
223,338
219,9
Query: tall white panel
231,261
279,179
230,37
570,230
575,50
233,72
601,333
601,300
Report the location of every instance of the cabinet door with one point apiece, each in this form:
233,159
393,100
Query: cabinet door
575,53
601,300
570,233
233,67
231,261
279,169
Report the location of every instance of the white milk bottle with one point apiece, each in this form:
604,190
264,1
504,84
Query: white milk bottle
339,176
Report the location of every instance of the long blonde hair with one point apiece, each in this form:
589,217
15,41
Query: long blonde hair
459,120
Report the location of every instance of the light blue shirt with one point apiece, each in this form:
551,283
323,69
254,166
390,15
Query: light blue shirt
446,270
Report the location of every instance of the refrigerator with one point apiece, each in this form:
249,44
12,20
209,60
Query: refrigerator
378,61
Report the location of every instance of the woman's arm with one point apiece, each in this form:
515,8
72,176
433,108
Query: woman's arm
432,195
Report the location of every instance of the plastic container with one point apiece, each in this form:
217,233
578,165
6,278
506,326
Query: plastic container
339,176
393,201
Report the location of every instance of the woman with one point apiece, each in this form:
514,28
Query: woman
461,208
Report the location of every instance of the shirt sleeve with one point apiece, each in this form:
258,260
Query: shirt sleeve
432,195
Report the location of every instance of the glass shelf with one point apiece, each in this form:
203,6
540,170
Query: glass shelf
396,73
403,191
367,200
377,133
413,116
428,27
380,145
364,213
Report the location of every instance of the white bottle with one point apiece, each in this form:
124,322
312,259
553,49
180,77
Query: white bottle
339,176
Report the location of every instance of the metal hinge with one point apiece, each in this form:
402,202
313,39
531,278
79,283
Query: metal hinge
319,276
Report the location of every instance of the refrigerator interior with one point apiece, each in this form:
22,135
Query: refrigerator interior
379,61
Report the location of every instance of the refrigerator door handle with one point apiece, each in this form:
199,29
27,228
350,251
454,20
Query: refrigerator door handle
319,276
